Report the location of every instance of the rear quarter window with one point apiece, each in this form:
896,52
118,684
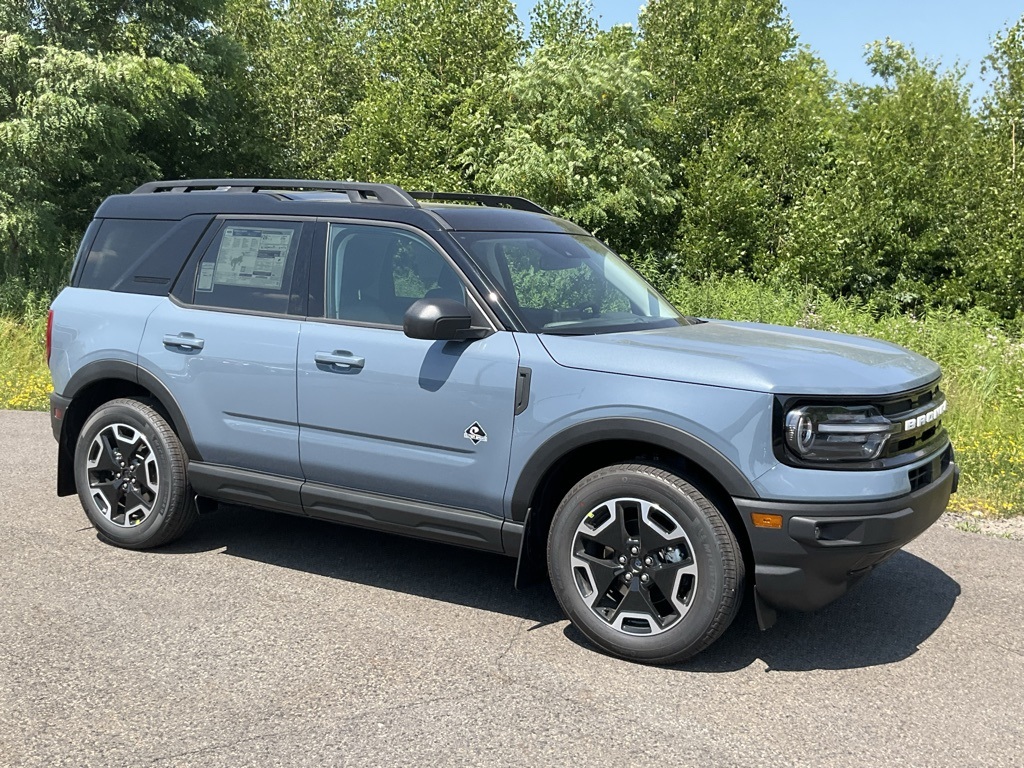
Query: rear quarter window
119,244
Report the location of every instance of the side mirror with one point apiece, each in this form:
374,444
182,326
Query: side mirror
440,320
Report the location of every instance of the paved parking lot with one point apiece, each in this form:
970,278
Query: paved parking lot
263,639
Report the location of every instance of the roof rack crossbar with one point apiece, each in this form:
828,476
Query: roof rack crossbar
358,192
492,201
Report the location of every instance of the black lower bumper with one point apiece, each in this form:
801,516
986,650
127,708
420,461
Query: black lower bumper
821,550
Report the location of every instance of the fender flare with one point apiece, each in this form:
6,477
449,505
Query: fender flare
634,429
123,370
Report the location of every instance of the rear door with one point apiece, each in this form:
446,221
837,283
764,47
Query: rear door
429,421
225,344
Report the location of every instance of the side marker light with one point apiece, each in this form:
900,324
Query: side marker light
762,520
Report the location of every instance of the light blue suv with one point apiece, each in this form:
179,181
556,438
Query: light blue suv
469,369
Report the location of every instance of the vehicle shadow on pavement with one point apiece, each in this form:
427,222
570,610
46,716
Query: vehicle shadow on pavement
882,620
426,569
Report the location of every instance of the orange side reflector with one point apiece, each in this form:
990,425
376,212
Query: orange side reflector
766,521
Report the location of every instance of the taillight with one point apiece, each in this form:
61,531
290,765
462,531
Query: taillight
49,334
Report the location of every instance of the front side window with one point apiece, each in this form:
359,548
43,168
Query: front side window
568,284
374,274
250,265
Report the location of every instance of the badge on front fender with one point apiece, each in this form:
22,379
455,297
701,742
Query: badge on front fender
475,433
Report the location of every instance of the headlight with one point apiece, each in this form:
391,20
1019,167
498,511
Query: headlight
837,432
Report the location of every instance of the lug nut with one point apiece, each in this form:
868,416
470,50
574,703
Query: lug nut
634,550
645,578
622,559
648,561
627,576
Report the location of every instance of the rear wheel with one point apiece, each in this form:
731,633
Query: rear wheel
644,564
130,475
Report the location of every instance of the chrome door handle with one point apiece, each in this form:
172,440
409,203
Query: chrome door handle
340,357
185,341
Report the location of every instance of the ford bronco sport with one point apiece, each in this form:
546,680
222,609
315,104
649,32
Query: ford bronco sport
472,370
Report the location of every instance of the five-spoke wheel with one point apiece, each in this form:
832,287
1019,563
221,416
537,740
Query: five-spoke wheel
634,567
130,474
644,564
124,478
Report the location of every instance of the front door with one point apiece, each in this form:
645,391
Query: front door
428,421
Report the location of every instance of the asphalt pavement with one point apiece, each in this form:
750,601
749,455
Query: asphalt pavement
263,639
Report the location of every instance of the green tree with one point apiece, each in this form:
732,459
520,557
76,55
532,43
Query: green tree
88,107
577,135
436,73
891,221
303,75
721,72
562,24
69,141
997,279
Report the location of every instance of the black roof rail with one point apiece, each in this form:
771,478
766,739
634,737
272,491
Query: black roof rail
358,191
492,201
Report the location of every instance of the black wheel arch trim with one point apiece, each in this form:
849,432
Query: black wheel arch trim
625,428
124,370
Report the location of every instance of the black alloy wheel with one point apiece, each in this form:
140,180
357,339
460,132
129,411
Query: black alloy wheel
644,564
130,471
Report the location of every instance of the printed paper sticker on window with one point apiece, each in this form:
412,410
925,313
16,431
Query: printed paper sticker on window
254,258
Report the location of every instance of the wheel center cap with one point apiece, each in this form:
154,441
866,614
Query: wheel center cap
638,564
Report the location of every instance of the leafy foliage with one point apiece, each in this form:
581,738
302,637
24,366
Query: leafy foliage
705,142
434,69
576,136
303,75
890,221
94,98
67,138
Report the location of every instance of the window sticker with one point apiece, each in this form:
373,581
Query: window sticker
253,258
205,282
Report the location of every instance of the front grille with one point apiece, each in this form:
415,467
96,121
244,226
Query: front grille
919,405
909,401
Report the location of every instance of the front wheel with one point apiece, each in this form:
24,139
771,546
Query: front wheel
644,564
130,475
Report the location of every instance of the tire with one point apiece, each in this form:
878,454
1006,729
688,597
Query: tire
670,598
131,478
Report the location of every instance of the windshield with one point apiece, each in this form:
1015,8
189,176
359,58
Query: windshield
568,284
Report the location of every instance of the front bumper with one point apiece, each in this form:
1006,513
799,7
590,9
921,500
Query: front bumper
821,550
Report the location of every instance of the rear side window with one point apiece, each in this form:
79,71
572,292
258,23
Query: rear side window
118,245
252,265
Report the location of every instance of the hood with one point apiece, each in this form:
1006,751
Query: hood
751,356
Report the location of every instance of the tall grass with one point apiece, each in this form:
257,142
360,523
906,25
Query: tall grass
24,378
983,371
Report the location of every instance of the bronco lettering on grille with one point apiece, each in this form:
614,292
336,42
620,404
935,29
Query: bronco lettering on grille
925,418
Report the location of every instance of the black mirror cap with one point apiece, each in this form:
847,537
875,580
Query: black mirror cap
437,320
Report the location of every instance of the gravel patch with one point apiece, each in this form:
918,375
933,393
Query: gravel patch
1002,527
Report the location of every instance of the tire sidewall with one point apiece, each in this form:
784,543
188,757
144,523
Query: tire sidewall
123,413
688,636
